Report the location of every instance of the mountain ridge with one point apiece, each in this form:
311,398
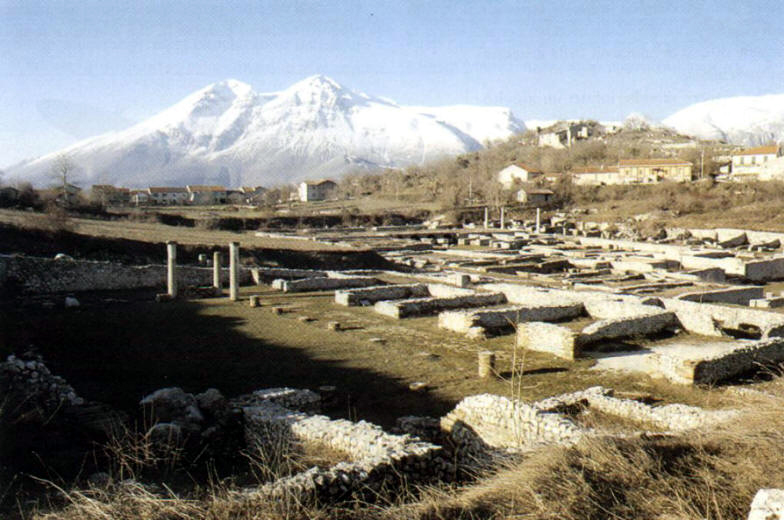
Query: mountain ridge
227,133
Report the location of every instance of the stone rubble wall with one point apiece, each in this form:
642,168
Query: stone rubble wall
378,458
735,295
506,317
34,385
324,284
482,422
44,275
719,364
429,306
368,295
707,319
440,290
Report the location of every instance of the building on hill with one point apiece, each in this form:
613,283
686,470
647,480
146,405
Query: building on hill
564,134
207,195
107,194
753,163
534,196
323,189
517,172
597,176
647,171
167,196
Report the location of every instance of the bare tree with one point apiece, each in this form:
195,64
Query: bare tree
62,170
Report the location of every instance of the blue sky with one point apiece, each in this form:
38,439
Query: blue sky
72,69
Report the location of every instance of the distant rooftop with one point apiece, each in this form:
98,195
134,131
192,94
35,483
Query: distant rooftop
760,150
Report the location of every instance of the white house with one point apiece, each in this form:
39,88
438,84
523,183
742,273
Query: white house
517,172
316,190
596,176
209,195
752,161
167,195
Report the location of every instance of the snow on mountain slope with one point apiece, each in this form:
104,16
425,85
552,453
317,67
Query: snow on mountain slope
481,123
748,120
226,133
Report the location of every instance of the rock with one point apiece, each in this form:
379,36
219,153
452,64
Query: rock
768,504
63,256
166,435
173,405
418,386
213,402
70,301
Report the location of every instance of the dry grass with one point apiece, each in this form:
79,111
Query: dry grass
710,475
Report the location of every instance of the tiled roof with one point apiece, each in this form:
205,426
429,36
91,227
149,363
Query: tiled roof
197,187
760,150
162,189
653,162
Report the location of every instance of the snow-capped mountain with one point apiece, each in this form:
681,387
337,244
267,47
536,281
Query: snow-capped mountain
748,120
226,133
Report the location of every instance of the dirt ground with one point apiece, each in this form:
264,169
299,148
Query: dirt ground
118,349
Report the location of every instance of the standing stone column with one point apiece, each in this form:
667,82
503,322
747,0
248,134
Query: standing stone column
171,269
502,218
234,270
216,270
487,218
486,364
538,220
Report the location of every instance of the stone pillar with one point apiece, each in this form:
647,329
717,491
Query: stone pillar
216,270
502,218
234,271
486,364
487,218
538,220
171,269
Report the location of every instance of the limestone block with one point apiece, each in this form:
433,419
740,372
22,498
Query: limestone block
497,320
429,306
768,504
547,337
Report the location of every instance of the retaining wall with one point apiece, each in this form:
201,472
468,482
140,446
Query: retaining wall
689,366
353,297
628,327
708,319
42,275
546,337
429,306
736,295
507,317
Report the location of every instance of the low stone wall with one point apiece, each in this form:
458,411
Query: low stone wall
485,422
368,295
35,275
671,417
609,308
493,320
324,284
620,328
429,306
260,274
736,295
379,459
690,366
708,319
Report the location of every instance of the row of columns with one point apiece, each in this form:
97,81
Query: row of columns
503,222
234,270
